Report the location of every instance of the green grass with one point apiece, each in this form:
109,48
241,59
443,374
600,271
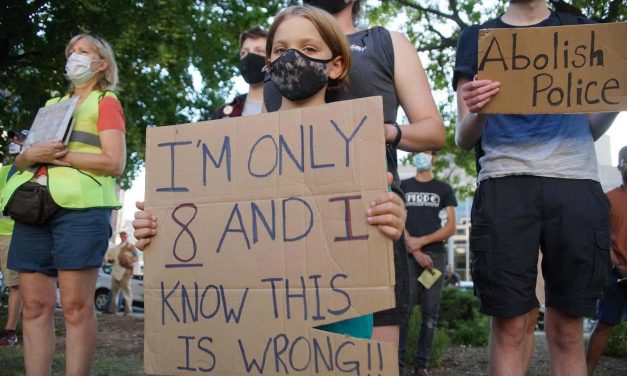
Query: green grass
12,363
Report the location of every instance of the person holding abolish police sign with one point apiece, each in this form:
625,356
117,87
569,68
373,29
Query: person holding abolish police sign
538,189
66,238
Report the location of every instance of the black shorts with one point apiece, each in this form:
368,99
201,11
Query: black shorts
513,217
396,315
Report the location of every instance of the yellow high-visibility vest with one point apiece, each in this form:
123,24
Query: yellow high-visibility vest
6,223
70,187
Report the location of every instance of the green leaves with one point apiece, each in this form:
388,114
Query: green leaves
155,43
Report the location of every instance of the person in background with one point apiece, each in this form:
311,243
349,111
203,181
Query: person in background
8,337
538,189
121,275
428,202
112,253
385,64
68,246
252,44
451,278
612,305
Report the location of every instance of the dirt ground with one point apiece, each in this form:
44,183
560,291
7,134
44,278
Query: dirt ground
460,361
117,335
124,335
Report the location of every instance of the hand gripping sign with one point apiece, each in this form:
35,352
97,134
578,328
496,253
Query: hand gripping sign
560,69
262,238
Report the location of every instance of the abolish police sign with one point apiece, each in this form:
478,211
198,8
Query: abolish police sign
262,238
561,69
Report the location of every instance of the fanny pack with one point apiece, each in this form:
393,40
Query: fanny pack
31,204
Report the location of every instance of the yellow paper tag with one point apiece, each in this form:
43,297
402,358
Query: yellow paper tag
429,277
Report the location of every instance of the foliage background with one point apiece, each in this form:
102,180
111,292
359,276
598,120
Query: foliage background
161,45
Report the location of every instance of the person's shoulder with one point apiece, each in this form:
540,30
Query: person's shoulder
470,33
615,193
229,109
109,99
443,184
408,181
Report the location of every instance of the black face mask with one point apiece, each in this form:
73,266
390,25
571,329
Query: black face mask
331,6
298,76
250,67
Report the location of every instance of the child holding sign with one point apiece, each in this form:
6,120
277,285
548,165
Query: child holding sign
307,54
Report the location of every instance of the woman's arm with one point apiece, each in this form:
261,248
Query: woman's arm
425,130
51,152
110,162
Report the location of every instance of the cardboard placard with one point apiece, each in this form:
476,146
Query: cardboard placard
263,237
561,69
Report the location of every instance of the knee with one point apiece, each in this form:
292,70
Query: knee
511,332
564,336
75,311
36,307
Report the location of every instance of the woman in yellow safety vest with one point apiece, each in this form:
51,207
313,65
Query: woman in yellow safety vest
71,243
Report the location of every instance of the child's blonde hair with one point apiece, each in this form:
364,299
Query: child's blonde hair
329,30
109,77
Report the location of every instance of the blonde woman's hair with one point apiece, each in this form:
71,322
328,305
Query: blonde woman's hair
329,30
109,77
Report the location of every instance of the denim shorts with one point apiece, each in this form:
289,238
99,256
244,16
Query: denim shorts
70,240
614,303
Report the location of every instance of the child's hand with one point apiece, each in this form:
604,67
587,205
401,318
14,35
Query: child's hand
387,212
145,225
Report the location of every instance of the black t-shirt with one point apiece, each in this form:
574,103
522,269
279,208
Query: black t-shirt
468,44
424,202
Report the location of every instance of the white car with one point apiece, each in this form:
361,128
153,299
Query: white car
102,298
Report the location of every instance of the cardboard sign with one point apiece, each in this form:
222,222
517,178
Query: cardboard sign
561,69
262,238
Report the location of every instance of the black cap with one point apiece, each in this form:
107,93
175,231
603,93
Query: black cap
22,134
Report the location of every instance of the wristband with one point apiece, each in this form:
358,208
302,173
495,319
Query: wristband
399,134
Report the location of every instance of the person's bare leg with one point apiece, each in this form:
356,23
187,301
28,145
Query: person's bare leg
39,296
115,289
77,289
530,336
565,336
507,345
388,333
596,345
15,307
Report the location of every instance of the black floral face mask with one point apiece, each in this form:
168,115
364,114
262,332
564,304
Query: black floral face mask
298,76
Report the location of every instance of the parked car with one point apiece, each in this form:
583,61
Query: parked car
102,298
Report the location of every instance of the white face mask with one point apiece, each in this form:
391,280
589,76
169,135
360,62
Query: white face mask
78,68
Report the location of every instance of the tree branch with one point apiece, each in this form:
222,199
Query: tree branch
453,17
613,11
